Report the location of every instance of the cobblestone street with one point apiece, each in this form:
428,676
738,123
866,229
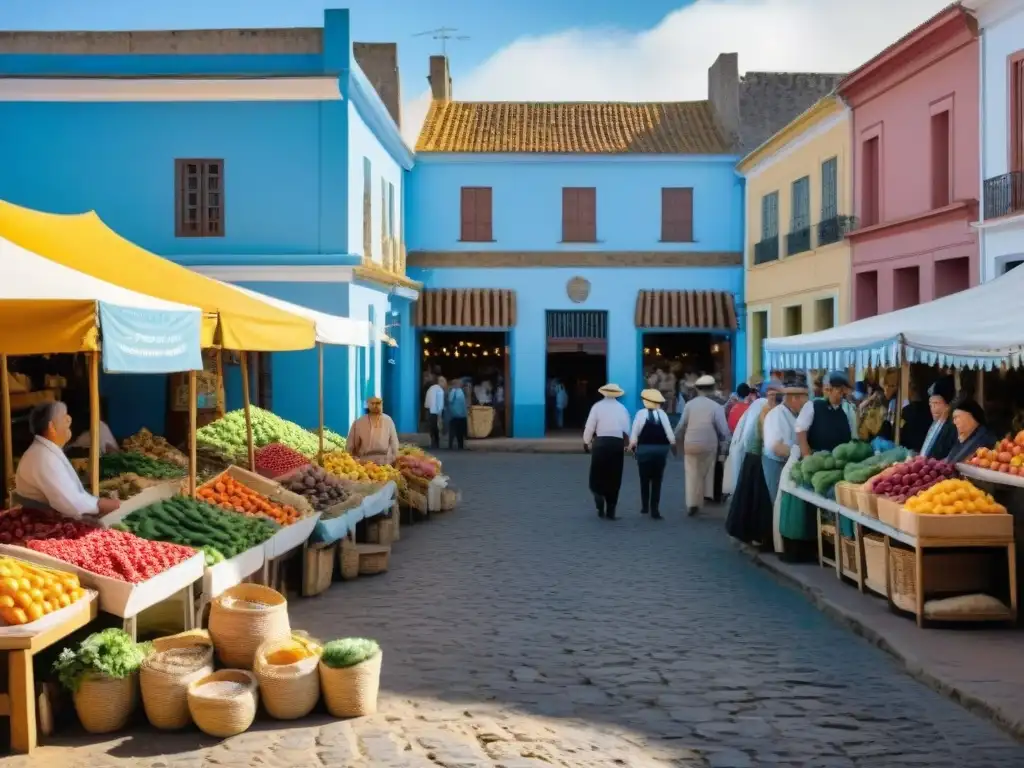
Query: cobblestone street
522,630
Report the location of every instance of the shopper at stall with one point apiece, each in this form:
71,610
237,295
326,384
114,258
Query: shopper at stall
458,413
971,430
373,437
606,436
703,435
650,440
779,435
45,478
826,423
750,509
434,403
744,397
941,436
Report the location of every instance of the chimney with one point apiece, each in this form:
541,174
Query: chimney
440,79
724,94
379,62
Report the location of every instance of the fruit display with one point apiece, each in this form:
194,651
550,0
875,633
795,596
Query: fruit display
135,463
414,466
954,497
1007,456
17,525
154,446
348,467
28,591
860,472
276,459
298,648
409,449
332,440
901,481
114,554
228,436
228,493
320,487
190,522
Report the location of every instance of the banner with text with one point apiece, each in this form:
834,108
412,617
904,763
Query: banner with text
150,340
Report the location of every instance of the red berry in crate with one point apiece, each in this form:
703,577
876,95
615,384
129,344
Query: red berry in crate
276,459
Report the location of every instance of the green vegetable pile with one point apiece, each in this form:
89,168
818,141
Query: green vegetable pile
129,462
227,435
822,470
348,652
109,653
183,520
862,471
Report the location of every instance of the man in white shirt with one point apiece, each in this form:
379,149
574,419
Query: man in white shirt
434,403
780,433
606,436
650,440
45,477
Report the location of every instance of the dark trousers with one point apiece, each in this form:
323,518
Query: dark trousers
651,464
434,423
457,428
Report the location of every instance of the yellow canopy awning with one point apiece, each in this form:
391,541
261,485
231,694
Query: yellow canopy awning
83,242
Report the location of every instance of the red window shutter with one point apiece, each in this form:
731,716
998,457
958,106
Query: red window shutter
677,214
570,214
587,206
484,229
468,214
940,159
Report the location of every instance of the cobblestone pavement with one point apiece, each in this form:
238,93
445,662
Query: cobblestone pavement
523,631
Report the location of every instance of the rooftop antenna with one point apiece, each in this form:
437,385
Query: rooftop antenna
444,34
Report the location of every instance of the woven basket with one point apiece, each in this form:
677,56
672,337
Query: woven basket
373,559
417,483
396,522
874,560
378,531
351,691
481,421
288,691
867,502
105,704
846,494
317,568
165,691
238,630
348,560
224,716
849,549
450,498
902,575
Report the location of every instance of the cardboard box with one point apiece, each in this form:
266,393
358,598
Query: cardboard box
957,526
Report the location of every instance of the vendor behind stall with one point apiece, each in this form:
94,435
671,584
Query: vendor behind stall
827,423
941,436
971,431
45,477
373,437
107,442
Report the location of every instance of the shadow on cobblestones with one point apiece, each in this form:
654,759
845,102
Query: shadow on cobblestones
522,631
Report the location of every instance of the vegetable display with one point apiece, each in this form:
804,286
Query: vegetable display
228,435
125,486
415,466
862,471
17,525
110,653
278,459
154,446
954,497
28,591
114,464
189,522
114,554
823,481
408,449
901,481
228,493
823,469
349,651
320,487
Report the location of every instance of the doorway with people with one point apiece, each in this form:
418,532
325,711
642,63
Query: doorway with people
576,366
672,362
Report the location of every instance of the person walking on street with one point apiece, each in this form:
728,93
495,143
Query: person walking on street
458,416
704,435
434,403
605,438
561,403
650,440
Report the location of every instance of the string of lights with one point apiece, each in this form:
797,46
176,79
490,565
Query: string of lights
460,349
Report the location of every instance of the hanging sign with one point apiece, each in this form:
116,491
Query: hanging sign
149,340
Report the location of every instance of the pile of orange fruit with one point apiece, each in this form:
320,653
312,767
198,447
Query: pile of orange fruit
28,591
229,494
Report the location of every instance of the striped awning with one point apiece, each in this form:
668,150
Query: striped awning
466,308
709,310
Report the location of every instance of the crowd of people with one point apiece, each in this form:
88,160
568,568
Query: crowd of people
447,405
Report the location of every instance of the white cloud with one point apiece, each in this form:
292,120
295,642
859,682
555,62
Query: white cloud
670,61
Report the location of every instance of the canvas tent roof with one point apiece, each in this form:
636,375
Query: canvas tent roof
982,327
330,329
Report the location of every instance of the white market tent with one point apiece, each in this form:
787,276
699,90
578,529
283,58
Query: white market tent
982,327
330,329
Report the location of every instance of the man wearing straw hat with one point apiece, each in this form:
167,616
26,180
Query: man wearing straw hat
704,435
605,437
650,441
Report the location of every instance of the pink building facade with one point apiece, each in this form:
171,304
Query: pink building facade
915,150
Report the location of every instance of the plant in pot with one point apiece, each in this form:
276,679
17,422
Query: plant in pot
350,676
102,676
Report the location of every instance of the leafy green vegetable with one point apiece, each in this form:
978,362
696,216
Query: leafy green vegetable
228,436
822,481
348,652
109,653
115,464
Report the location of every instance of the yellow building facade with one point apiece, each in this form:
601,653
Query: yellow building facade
799,201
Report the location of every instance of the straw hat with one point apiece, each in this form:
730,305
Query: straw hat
705,381
652,397
611,390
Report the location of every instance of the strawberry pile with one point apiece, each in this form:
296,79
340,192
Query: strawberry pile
276,459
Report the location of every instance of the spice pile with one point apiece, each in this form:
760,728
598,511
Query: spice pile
228,493
278,459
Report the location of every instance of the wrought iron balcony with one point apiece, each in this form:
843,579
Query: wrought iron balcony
832,228
1004,195
766,250
798,239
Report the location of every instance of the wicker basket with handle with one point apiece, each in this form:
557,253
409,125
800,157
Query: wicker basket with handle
348,560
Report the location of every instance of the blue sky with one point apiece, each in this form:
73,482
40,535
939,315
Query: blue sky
490,25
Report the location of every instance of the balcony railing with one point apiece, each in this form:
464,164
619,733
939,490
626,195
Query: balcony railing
798,240
1004,195
766,250
834,228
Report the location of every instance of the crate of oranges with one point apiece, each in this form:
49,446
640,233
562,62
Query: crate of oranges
28,592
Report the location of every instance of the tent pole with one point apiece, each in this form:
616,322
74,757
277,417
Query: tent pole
320,355
192,406
5,414
94,422
221,396
902,392
248,412
979,388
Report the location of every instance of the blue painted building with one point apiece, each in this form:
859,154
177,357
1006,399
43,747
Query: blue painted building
588,242
266,158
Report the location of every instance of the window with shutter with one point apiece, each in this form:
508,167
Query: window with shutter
770,215
1017,112
476,215
579,214
677,215
800,215
829,189
199,198
871,180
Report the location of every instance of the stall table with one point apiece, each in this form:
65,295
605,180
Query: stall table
920,545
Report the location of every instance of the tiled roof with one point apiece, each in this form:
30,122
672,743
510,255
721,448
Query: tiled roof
678,128
769,101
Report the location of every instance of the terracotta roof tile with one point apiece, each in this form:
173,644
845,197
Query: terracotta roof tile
682,128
